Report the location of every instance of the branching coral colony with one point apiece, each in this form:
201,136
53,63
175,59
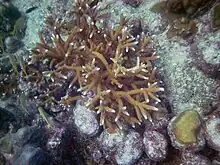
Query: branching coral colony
113,69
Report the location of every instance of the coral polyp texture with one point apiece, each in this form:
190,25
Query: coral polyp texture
113,69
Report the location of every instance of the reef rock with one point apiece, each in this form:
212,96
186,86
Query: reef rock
125,149
189,158
32,156
216,17
85,120
12,44
212,132
133,3
189,8
155,145
2,159
185,131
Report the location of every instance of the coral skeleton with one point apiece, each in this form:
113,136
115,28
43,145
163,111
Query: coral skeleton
114,70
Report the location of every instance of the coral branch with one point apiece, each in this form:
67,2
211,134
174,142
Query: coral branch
112,64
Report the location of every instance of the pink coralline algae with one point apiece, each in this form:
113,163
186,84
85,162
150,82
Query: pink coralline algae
134,3
189,158
155,145
212,130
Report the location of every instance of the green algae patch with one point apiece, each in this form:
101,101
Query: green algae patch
186,127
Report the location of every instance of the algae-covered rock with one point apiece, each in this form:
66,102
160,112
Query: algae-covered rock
6,144
31,155
180,24
2,159
181,15
191,158
133,3
8,16
186,126
185,131
216,17
186,8
189,8
183,28
85,120
212,132
155,145
121,148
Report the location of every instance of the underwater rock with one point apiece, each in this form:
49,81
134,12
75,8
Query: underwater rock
186,126
64,146
155,145
212,132
11,104
12,44
159,123
183,28
185,131
179,24
216,17
5,67
10,66
210,70
29,135
180,15
55,138
32,156
144,160
121,148
6,144
160,118
189,8
189,158
6,118
133,3
109,142
130,151
2,159
136,27
13,142
8,16
95,154
85,120
9,59
218,93
216,160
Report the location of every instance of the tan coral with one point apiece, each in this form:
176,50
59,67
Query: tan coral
116,67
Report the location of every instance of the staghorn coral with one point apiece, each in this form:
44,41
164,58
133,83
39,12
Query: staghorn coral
114,70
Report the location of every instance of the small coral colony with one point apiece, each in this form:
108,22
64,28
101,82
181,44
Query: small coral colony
112,69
